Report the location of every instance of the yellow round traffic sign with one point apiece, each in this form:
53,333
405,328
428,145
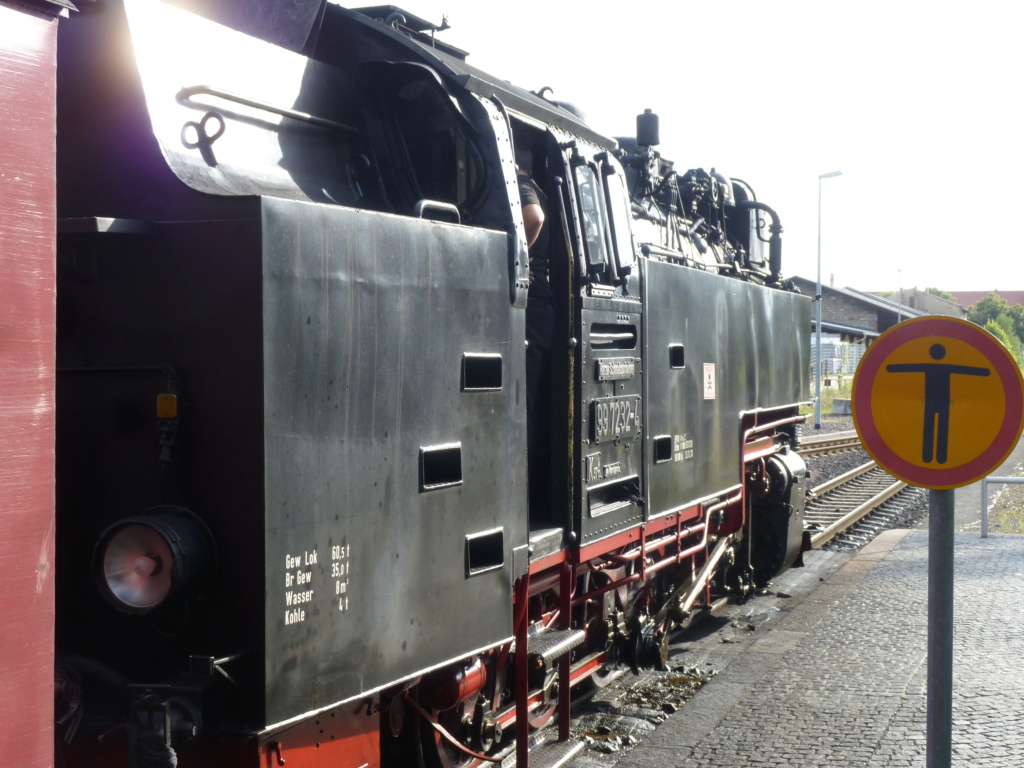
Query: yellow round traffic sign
938,402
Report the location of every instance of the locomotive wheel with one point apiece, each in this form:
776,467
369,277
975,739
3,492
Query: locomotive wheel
604,676
435,751
541,716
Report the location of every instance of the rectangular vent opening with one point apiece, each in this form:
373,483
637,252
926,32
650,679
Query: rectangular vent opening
481,372
613,496
676,356
485,551
440,466
662,448
612,336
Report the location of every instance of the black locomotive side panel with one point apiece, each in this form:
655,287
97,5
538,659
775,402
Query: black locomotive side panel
350,428
395,449
715,347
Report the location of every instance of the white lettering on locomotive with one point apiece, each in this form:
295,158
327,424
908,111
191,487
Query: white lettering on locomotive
292,597
682,448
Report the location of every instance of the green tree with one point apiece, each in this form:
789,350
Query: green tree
1016,313
1006,323
998,331
1008,338
989,308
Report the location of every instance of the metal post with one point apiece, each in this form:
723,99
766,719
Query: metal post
565,583
899,305
521,671
817,312
984,507
817,326
940,629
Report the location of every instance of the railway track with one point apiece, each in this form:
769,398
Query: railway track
842,504
836,442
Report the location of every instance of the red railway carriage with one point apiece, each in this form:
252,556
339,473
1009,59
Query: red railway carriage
28,48
302,517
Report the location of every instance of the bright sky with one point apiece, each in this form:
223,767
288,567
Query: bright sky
919,105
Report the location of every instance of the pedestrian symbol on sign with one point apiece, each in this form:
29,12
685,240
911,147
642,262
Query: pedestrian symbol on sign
935,439
938,402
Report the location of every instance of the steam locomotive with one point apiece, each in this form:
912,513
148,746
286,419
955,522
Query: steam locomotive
294,519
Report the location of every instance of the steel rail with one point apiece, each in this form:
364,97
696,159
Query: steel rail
842,479
859,512
835,443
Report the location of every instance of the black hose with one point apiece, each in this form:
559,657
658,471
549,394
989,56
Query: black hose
774,242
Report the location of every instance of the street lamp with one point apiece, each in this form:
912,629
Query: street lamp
899,306
817,314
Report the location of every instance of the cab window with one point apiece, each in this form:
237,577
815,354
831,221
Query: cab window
442,162
593,216
423,145
619,213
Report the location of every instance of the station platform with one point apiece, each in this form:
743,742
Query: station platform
831,668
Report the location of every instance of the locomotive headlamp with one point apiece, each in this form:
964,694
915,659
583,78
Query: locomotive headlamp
165,554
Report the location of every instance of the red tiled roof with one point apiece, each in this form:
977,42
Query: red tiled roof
970,298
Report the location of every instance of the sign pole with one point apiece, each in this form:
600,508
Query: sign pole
940,628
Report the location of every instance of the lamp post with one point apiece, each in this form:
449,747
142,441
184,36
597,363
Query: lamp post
899,306
817,313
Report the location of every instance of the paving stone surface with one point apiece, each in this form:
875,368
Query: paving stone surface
831,670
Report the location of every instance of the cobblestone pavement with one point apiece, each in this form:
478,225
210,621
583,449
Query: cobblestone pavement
831,669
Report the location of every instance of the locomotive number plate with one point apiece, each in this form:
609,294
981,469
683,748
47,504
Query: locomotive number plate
615,417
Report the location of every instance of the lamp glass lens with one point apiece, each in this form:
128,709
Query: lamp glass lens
137,566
